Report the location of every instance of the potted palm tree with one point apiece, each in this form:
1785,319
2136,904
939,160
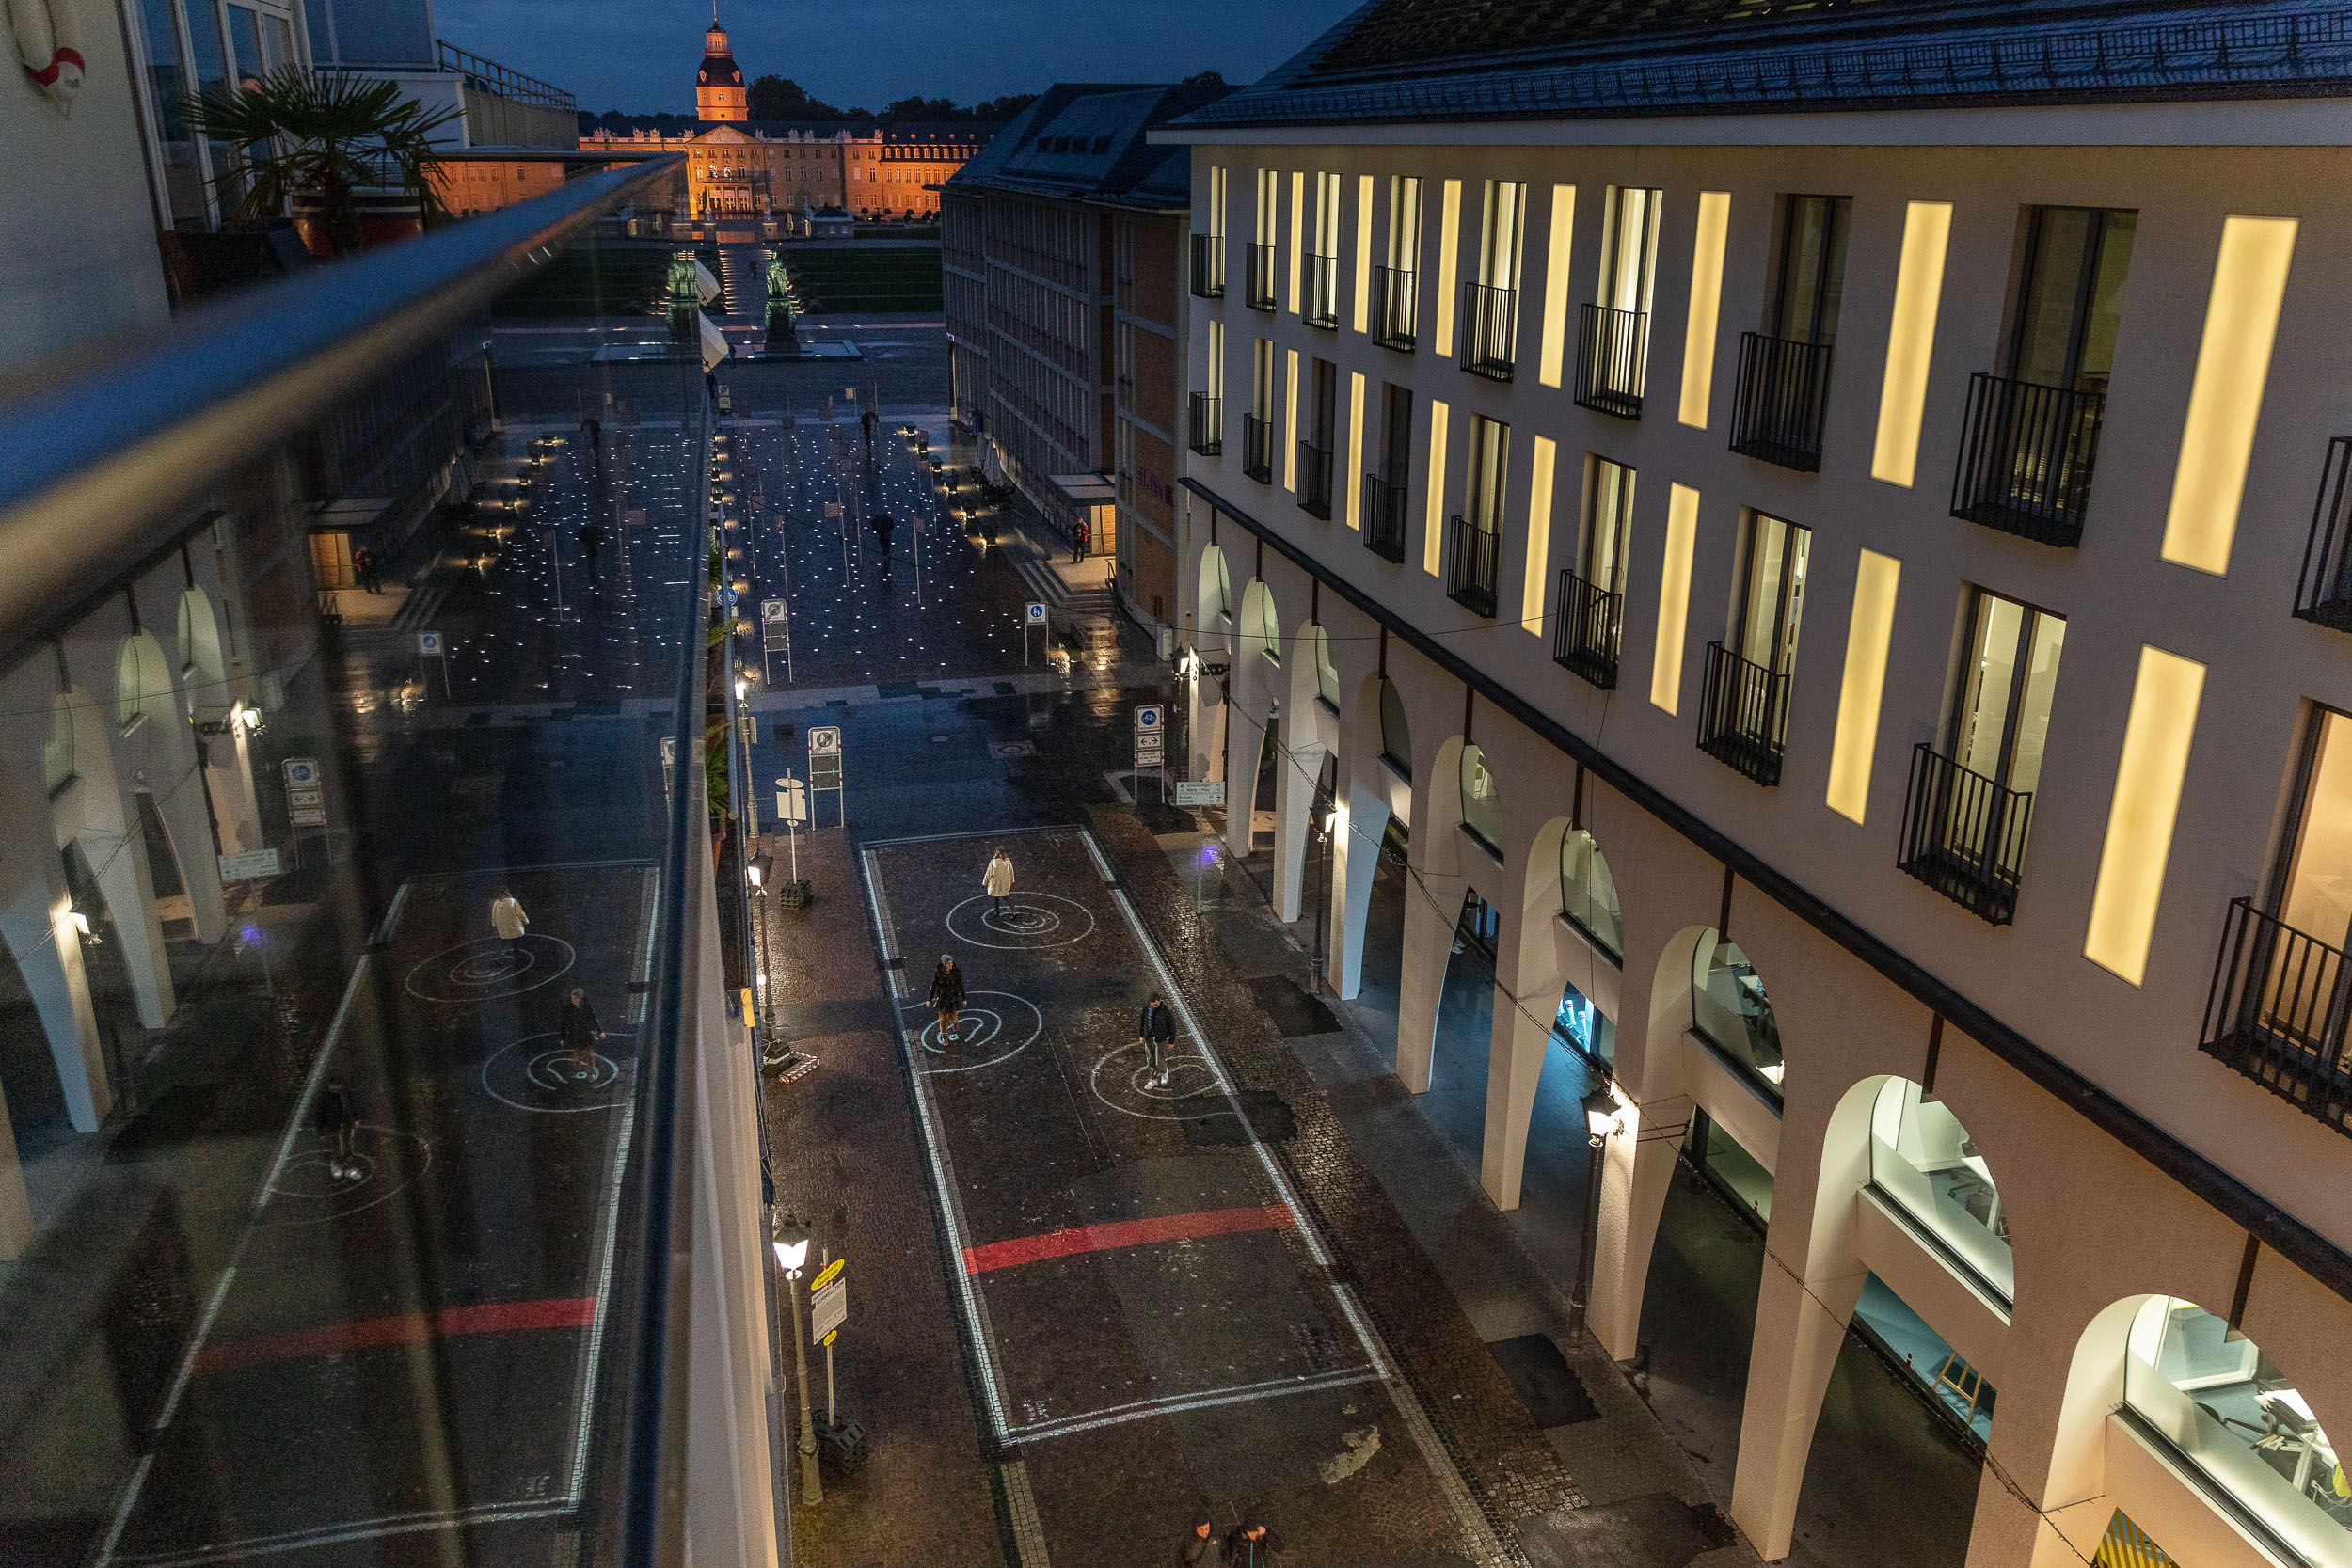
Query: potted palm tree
347,157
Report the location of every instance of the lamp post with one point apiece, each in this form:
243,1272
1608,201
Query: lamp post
791,1245
1334,823
1601,1119
757,870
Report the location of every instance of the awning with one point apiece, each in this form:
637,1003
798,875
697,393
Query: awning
714,342
1086,489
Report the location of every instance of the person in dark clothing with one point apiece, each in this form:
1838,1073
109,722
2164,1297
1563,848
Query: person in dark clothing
339,1129
1202,1549
884,525
868,421
591,541
1251,1546
948,996
1077,541
1156,1031
710,384
578,1032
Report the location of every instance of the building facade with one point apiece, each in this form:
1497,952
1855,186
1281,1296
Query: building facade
719,84
784,166
1067,319
1986,939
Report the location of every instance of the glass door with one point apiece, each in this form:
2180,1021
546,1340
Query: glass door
1812,269
1607,521
2072,301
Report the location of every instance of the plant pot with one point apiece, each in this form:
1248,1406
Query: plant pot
385,213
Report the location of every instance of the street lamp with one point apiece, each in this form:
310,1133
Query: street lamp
1334,822
791,1245
757,870
1602,1111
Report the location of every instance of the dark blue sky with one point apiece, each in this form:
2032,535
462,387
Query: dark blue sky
639,55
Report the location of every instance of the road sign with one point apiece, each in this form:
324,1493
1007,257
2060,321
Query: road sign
1200,792
429,644
252,864
775,631
1148,716
828,1301
306,792
1035,613
824,740
791,802
1151,747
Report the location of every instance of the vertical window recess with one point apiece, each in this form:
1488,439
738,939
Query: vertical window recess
1299,230
1556,284
1355,448
2249,278
1363,278
1538,538
1290,423
1868,635
2147,799
1911,341
1674,598
1433,522
1449,262
1706,292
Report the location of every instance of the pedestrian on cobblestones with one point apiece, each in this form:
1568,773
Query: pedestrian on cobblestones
1202,1549
1251,1546
339,1128
998,880
948,996
509,920
1155,1030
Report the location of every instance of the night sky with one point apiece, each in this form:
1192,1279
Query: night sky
639,55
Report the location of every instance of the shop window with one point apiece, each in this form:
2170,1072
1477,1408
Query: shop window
1482,806
1730,1011
2211,1394
1955,1387
1924,1162
2126,1545
1396,737
1588,895
1738,1175
1586,1027
1480,926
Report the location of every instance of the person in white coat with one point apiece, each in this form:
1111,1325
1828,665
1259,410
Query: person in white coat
509,920
998,880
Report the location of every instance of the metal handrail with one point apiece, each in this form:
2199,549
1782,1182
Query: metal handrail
1473,567
1964,834
102,462
1384,514
1207,266
2026,456
1208,424
503,81
1257,449
1260,280
2323,591
1591,621
1322,291
1744,715
1784,393
1314,480
2277,1011
1489,324
1393,301
1611,354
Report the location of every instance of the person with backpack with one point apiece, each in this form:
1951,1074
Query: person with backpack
947,995
1155,1030
1250,1546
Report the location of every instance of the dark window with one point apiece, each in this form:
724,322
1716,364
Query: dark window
1812,269
2071,297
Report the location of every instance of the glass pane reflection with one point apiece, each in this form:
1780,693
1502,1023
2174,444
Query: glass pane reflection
1924,1159
1729,1006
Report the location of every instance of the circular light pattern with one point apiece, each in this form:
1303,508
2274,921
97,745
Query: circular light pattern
487,968
987,1033
1022,924
538,1075
306,1190
1123,1078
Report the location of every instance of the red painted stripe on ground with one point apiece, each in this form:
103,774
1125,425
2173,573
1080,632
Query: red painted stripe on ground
1121,1233
406,1328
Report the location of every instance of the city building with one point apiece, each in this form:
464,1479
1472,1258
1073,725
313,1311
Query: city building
1556,364
719,85
1063,243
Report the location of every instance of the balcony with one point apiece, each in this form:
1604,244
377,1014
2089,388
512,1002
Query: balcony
1323,292
2276,1012
1257,449
1964,835
1261,263
2325,591
1588,623
1744,715
2026,458
1490,319
1472,559
1393,300
1314,480
1207,266
1784,390
1384,513
1207,424
1610,356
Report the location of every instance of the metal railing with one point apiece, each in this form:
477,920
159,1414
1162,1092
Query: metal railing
1964,834
2026,458
1588,624
1208,424
1322,291
1207,266
1314,480
1784,392
1261,279
1473,561
490,76
1744,715
1257,449
1611,351
2276,1012
1394,299
1490,319
2324,593
1384,513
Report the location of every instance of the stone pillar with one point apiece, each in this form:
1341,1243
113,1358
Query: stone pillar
35,922
1799,1331
1355,862
1244,744
1295,775
1636,1174
1433,905
1519,1046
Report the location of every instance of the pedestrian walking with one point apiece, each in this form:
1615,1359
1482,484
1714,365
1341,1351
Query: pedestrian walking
884,525
998,880
948,996
339,1129
710,384
591,541
869,421
1156,1032
577,1032
509,920
1077,541
1250,1546
1202,1549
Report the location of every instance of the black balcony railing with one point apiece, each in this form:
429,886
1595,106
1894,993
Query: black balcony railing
1314,480
2276,1012
2026,458
1784,389
1208,424
1384,513
1589,623
1471,565
1963,834
1609,352
2326,592
1490,319
1394,300
1743,716
1260,280
1257,449
1322,291
1207,266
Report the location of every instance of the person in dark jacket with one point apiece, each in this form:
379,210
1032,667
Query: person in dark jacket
339,1128
1202,1549
1156,1031
948,996
578,1032
1250,1546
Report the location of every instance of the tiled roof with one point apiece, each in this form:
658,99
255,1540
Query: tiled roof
1087,140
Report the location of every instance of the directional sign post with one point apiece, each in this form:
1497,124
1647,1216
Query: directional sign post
1151,744
431,645
775,631
1032,614
824,768
1198,794
792,810
306,797
828,1309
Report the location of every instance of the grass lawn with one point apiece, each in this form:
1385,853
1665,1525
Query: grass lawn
600,280
897,278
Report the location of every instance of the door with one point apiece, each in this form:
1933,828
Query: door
2001,727
2071,296
1812,269
1771,608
